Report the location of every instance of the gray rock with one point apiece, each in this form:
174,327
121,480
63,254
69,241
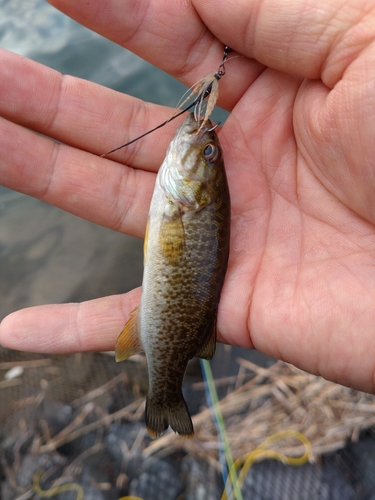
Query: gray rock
160,481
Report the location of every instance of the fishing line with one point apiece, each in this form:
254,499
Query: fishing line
228,469
152,130
210,403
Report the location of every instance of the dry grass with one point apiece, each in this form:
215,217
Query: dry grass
262,402
276,399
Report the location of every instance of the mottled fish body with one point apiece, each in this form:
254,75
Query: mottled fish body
186,255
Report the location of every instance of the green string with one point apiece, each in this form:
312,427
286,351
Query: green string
207,373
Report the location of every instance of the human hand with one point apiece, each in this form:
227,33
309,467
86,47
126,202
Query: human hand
299,152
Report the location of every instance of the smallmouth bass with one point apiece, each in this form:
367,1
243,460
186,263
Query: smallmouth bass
185,259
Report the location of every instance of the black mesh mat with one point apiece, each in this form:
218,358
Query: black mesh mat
100,404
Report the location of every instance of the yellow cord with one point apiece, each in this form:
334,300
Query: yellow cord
58,489
130,498
66,487
262,452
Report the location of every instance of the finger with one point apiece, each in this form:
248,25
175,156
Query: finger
96,189
312,40
80,113
89,326
170,35
66,328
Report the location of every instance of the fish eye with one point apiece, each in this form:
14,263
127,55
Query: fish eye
211,152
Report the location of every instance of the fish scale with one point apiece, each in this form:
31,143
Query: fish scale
186,255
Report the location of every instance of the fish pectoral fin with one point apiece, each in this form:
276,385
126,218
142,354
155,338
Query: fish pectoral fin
172,239
129,341
145,243
207,351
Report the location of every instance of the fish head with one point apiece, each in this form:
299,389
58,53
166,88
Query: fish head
192,165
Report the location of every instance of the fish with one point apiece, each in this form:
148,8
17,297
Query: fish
186,251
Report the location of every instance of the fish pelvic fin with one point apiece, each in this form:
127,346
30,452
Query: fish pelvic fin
129,341
207,351
160,416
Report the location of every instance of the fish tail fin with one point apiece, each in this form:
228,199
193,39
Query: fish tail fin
160,416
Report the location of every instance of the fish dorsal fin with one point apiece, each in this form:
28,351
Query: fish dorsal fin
172,239
129,342
207,351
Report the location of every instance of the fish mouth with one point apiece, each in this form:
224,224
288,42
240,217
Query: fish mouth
191,127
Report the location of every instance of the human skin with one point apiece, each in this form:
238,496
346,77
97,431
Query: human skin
299,151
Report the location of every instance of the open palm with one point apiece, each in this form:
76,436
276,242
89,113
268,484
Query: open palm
299,152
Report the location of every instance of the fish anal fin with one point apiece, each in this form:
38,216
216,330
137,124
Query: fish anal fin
159,416
172,239
129,342
207,351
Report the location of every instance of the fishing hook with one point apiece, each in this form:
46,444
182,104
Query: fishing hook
207,91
